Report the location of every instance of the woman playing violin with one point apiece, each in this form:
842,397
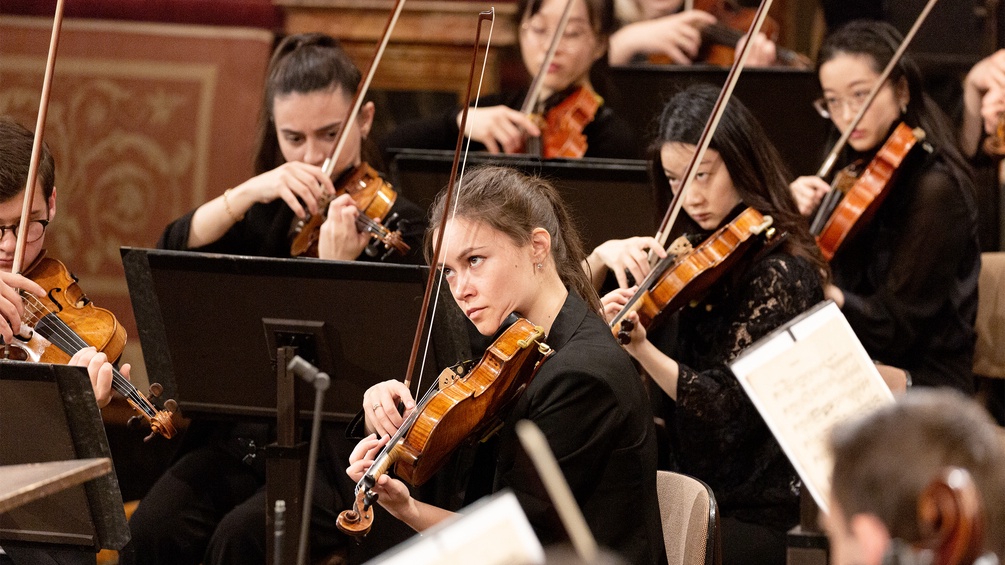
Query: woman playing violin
498,125
15,147
210,505
716,433
308,93
510,248
908,281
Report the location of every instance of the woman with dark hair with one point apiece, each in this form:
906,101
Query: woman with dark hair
498,125
716,433
308,93
209,506
907,282
510,248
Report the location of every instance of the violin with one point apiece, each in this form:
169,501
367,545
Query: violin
64,322
469,404
869,189
67,313
719,39
373,196
682,278
563,124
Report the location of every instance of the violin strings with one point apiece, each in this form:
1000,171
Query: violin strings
53,328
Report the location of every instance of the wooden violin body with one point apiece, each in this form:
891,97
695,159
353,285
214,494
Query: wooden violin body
66,321
869,191
685,278
373,196
468,405
562,131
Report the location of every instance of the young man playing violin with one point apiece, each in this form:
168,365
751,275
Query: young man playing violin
15,149
15,156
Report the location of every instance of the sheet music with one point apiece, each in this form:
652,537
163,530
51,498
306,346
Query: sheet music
804,380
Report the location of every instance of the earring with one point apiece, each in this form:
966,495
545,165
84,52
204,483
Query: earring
903,108
539,266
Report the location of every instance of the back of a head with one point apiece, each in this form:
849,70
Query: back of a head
15,148
884,461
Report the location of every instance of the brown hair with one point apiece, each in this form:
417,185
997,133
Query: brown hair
303,63
15,157
884,461
515,203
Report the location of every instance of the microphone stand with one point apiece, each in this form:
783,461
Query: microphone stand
321,382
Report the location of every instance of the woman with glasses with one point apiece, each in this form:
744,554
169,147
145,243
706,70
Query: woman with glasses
498,125
907,282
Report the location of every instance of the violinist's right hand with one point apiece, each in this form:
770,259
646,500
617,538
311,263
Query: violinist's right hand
11,303
677,36
499,128
623,255
613,302
808,192
380,407
293,181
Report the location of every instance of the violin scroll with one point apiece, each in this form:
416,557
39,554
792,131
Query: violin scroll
951,518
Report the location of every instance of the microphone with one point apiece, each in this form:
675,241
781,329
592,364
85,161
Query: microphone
321,381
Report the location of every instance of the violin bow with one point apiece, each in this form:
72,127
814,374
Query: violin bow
36,148
825,169
448,200
534,92
357,102
692,167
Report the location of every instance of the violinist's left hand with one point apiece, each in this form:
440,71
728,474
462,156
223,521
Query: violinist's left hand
99,369
392,494
339,239
834,293
763,51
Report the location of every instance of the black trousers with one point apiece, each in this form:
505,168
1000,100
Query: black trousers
31,556
744,543
210,508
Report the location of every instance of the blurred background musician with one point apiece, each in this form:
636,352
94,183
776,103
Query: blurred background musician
498,126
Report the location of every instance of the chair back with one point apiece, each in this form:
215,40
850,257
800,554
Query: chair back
989,354
689,515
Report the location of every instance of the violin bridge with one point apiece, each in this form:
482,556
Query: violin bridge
450,375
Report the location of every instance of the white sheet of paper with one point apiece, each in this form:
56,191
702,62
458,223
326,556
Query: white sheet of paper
806,378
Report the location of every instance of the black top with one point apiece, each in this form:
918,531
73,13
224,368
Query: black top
910,276
607,136
590,404
717,435
264,232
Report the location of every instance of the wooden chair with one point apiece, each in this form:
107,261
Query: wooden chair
690,519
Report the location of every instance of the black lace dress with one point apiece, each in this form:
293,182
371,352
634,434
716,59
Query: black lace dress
716,433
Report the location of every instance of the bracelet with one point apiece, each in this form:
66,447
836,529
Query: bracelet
226,205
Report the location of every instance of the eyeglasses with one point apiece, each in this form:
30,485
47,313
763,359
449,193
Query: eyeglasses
573,34
36,228
829,106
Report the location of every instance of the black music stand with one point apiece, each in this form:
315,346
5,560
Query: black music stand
607,198
781,100
217,332
48,413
